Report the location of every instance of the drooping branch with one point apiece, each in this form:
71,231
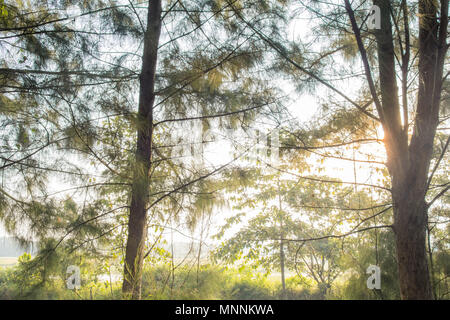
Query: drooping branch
283,52
364,59
340,235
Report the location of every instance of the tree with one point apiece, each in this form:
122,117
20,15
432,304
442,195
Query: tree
89,160
408,147
409,161
88,94
203,79
285,224
261,240
44,71
137,227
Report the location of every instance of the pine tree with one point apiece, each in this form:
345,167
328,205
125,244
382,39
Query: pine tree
409,148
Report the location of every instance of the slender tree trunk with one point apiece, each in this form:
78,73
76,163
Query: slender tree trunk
282,257
283,278
137,224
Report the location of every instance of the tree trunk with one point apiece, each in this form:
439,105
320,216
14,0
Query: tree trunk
282,257
411,218
410,235
409,164
137,224
283,278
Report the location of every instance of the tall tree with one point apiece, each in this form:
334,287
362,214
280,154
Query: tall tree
192,85
408,162
137,223
83,85
408,147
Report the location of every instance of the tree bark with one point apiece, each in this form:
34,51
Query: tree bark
411,216
409,164
137,224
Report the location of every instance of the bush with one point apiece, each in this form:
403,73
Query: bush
188,282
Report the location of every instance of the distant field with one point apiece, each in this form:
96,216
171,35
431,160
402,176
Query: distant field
7,261
276,276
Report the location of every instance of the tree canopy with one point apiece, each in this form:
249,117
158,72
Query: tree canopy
297,142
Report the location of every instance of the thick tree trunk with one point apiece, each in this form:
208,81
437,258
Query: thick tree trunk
409,187
409,164
137,224
410,222
410,236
